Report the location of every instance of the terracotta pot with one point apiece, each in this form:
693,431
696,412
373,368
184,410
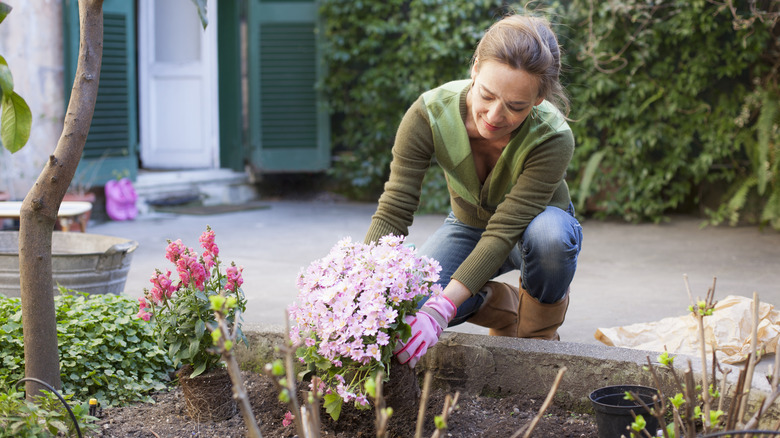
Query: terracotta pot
209,396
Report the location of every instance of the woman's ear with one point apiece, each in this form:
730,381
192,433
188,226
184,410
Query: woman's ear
474,68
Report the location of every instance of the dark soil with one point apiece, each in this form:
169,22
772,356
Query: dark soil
474,417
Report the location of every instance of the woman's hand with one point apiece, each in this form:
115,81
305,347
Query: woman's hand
427,325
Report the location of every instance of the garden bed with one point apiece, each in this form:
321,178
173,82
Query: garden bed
502,384
477,416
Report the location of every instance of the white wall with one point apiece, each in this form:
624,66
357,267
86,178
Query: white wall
31,42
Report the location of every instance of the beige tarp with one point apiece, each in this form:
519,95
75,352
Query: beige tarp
728,330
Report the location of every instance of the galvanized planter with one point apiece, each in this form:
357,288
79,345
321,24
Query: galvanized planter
84,262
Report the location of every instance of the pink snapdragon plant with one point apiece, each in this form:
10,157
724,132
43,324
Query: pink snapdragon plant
350,309
180,308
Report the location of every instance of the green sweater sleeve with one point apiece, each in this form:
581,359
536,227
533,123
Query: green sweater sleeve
412,153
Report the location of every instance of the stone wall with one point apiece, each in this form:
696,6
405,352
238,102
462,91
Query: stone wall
31,42
498,366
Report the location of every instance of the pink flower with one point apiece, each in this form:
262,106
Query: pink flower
288,419
199,274
163,286
210,248
146,316
208,260
349,304
174,250
234,277
207,242
190,271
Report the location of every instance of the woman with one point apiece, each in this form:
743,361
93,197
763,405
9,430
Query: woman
504,148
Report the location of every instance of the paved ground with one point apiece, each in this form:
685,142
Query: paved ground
626,274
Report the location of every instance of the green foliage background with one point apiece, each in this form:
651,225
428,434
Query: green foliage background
381,56
669,98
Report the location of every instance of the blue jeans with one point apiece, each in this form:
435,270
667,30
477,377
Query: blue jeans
546,255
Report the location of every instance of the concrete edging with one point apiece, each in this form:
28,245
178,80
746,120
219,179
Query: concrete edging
496,366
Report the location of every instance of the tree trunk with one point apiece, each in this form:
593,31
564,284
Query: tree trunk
40,206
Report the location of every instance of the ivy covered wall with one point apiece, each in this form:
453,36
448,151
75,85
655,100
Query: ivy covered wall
669,98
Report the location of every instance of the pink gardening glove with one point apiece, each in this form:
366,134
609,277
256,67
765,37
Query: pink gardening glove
427,325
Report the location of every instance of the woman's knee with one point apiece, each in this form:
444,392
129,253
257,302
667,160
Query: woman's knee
554,233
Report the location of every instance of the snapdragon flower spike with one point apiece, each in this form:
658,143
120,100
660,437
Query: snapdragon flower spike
174,250
190,270
163,287
143,304
207,241
210,248
349,302
234,279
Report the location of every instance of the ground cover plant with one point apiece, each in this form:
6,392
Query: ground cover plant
44,416
105,351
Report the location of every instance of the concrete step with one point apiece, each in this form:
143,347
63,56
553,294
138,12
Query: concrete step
209,187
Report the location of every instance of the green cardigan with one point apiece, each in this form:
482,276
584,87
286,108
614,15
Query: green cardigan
528,177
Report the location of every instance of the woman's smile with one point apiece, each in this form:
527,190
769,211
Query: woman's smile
500,99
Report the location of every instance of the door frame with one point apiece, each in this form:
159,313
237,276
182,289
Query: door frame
209,60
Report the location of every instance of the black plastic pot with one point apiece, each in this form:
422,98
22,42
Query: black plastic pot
613,411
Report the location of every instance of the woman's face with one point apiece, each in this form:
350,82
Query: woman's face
501,98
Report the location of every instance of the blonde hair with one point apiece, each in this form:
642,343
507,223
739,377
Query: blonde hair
529,44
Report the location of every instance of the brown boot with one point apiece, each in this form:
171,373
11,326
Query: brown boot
499,310
540,320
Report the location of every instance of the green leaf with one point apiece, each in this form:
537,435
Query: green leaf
639,424
665,359
765,126
587,178
200,328
199,370
370,386
6,78
277,368
4,11
193,350
15,123
201,5
332,404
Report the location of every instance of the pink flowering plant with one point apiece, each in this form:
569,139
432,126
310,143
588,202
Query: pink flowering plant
180,309
350,313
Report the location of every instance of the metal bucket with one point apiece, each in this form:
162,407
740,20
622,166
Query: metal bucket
83,262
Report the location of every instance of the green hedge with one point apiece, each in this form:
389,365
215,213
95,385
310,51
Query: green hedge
667,96
381,56
658,88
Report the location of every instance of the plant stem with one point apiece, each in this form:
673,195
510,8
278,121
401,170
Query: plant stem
751,361
545,405
449,405
426,390
380,421
239,391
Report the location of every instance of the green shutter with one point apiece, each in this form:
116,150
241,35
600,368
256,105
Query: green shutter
289,124
231,146
112,142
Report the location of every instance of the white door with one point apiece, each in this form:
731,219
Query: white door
177,63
